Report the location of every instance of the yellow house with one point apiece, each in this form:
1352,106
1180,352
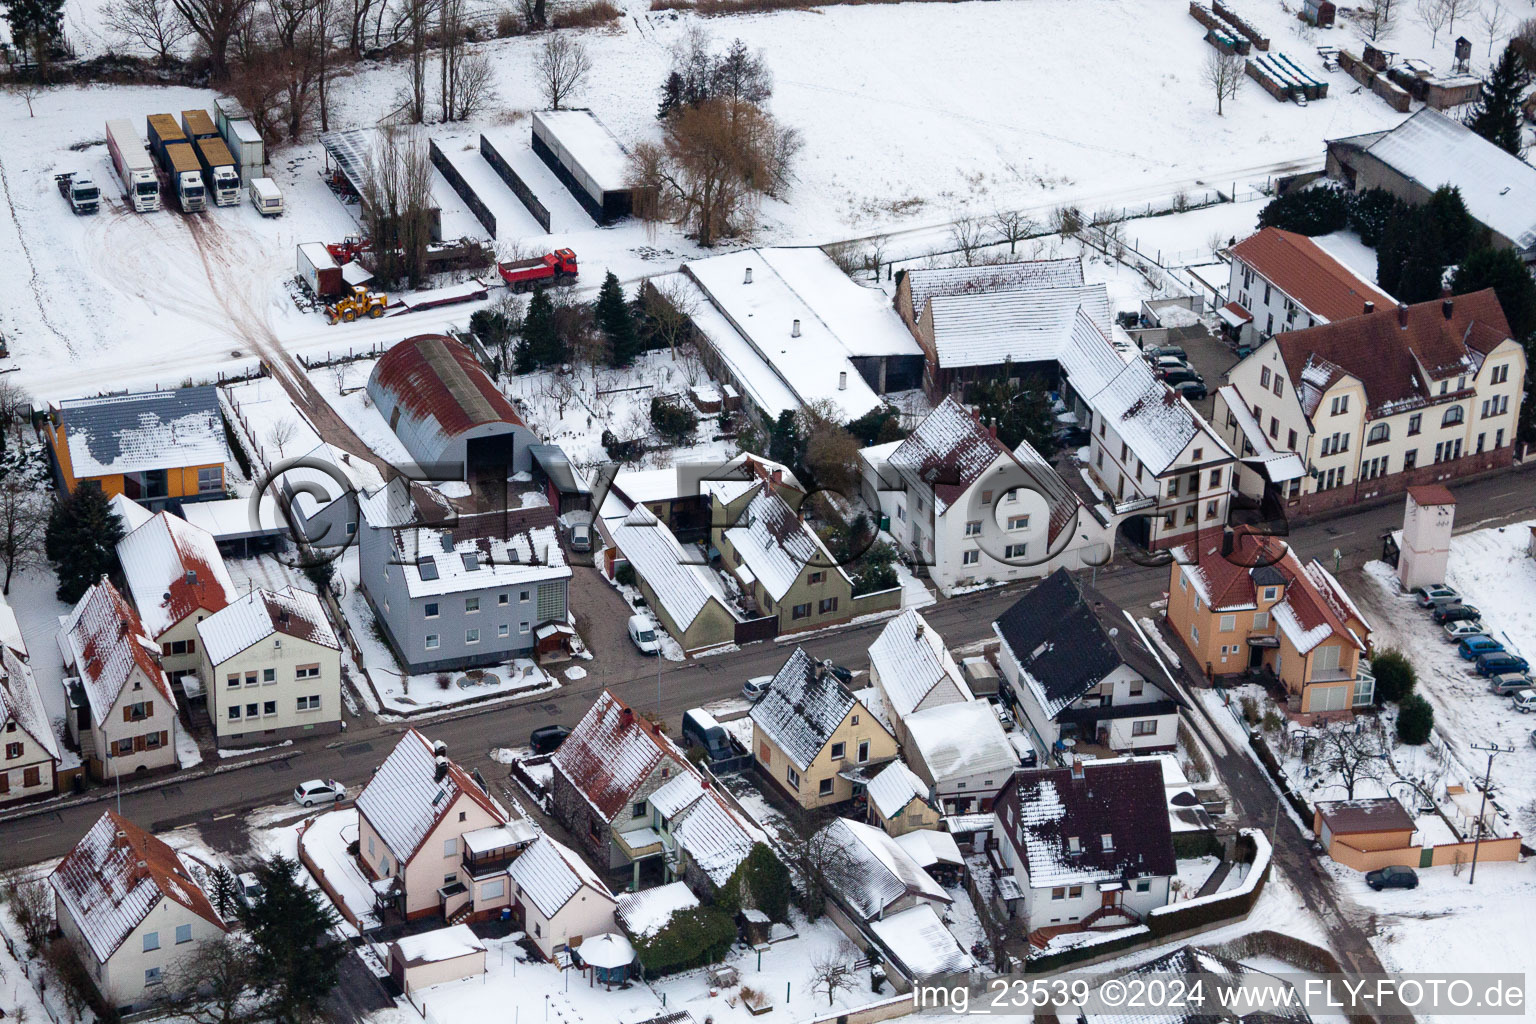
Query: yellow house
900,802
813,737
153,446
1242,602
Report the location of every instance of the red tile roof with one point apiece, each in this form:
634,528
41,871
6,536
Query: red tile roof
439,377
1432,494
1299,267
610,753
109,642
1386,349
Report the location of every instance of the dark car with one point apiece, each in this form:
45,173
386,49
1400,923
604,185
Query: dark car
1072,437
1157,351
1174,378
1498,663
1456,613
1194,390
843,675
1393,877
546,739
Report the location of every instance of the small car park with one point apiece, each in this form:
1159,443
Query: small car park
1509,683
1457,631
642,633
319,791
1159,351
1173,378
1500,662
1194,390
546,739
1475,646
1434,595
1456,613
1394,877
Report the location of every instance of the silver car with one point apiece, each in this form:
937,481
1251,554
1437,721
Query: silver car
1457,631
1510,682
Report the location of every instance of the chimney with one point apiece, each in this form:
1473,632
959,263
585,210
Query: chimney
747,277
440,772
919,635
191,577
282,617
1077,767
1402,314
1370,307
794,331
627,715
704,782
1447,307
439,749
992,427
842,375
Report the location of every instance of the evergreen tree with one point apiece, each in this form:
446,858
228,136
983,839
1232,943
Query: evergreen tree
1395,677
289,924
1368,213
35,26
1496,114
617,322
785,444
1504,272
672,91
1415,720
542,345
1311,211
1022,413
81,540
1456,230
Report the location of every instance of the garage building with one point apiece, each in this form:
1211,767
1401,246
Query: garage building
589,161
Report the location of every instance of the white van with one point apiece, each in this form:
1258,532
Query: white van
266,197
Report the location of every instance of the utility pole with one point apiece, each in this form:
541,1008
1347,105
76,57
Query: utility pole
1492,750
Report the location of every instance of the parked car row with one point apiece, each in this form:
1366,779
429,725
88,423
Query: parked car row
1172,366
1508,673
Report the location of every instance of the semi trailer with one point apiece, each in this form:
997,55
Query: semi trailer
218,168
141,188
186,177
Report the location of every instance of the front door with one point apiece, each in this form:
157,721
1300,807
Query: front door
1110,898
1255,657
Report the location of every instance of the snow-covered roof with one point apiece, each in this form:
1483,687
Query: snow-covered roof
103,643
479,552
914,667
405,800
1241,994
743,364
1026,325
589,143
130,513
550,874
682,585
991,277
861,318
173,569
1278,466
803,707
918,941
928,847
713,835
438,945
1151,419
647,912
1089,355
611,753
776,545
231,518
132,433
20,702
871,871
960,741
260,614
949,451
325,474
814,364
894,788
1498,188
607,950
498,837
116,874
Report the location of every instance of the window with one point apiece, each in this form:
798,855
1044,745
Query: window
137,712
310,703
1145,885
1500,374
152,975
430,609
1290,440
1018,522
432,641
234,712
1173,487
1264,378
501,600
231,681
1074,892
1444,386
252,710
970,556
426,568
638,809
986,497
1339,406
1016,550
522,627
824,787
503,631
250,679
1194,633
268,675
1144,727
1453,416
801,611
522,595
1415,423
1280,381
450,847
151,941
471,561
210,479
269,707
973,528
1227,624
12,751
1107,841
1271,593
826,605
1013,494
792,777
1073,845
1059,893
307,672
838,750
471,605
183,933
471,636
863,745
1215,478
817,577
1135,686
1261,620
1211,509
1365,692
184,646
1410,459
1379,433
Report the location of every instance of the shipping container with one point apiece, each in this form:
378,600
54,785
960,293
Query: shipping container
136,172
186,177
319,271
162,130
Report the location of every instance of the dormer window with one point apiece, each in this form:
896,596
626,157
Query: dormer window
1270,593
1073,845
1108,841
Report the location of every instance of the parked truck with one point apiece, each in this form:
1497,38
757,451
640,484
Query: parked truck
218,170
80,190
266,197
186,177
319,272
141,188
551,268
162,130
198,125
242,138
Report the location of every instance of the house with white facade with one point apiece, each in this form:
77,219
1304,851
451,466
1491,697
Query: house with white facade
176,578
30,763
962,752
1079,668
959,501
1373,405
1282,281
704,837
122,714
130,910
870,876
414,818
272,668
557,899
1088,845
913,670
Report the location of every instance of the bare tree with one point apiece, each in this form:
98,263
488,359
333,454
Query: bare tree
475,85
832,971
1432,14
1014,226
1377,18
356,13
216,983
668,310
151,24
26,89
281,433
31,903
1492,17
1067,221
70,978
23,517
1460,9
325,13
214,22
966,236
397,203
1223,72
450,41
1354,754
417,19
563,63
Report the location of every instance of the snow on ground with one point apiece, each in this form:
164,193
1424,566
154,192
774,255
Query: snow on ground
357,411
187,754
1192,873
326,841
38,609
270,421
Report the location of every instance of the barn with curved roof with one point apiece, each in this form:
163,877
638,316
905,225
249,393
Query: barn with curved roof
446,409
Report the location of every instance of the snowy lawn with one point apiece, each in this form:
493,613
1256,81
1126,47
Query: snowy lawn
325,841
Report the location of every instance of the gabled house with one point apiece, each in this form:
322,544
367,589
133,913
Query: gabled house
557,899
130,910
1376,404
870,877
961,503
899,801
412,819
1079,668
1244,602
272,666
1281,281
683,592
703,836
31,750
812,737
1089,846
122,714
912,670
603,777
962,752
176,578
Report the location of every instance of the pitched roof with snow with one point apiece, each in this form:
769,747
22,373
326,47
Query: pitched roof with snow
713,835
1044,811
1150,418
1066,637
438,945
1399,366
610,754
894,788
116,874
262,613
20,702
928,847
405,800
129,512
870,870
550,874
682,585
1367,814
173,569
924,284
647,912
949,451
1301,269
959,741
914,667
150,430
1026,326
1263,999
478,552
104,643
803,707
920,943
775,544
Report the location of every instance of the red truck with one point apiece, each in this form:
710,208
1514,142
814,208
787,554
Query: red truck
552,267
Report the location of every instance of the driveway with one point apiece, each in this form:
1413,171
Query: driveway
602,619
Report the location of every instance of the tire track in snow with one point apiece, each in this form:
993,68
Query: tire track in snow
26,250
